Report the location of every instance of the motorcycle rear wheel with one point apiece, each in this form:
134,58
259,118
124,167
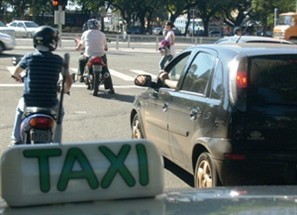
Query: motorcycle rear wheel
95,83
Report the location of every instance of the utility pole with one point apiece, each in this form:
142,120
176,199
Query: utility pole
275,16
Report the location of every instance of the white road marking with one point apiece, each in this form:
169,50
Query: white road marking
121,75
81,85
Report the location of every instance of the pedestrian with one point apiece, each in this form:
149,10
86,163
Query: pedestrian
170,39
43,69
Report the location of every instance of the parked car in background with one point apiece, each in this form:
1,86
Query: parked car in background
6,30
251,39
157,31
231,118
215,33
7,42
176,31
23,28
135,30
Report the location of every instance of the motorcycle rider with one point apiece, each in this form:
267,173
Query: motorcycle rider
42,75
95,44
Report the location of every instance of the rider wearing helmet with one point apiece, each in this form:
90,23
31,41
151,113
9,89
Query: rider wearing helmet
95,44
237,31
42,75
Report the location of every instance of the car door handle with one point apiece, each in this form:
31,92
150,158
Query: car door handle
195,113
165,107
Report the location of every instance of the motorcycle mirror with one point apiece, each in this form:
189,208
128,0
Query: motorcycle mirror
15,61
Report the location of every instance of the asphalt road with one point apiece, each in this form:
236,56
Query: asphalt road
87,118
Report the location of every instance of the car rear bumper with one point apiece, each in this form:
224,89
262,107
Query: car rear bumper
257,172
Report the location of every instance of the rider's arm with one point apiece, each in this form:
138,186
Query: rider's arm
80,42
68,83
105,44
17,73
79,46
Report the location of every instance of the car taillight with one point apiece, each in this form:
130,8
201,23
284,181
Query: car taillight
41,122
241,79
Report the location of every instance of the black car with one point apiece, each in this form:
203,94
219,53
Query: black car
135,30
232,117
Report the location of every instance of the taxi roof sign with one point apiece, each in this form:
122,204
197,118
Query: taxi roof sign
54,173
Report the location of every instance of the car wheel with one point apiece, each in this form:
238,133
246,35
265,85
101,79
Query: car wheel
205,172
1,47
136,128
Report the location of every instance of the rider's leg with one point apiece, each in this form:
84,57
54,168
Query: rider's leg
108,82
81,65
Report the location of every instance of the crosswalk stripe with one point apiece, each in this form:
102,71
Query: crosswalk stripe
112,71
121,75
73,69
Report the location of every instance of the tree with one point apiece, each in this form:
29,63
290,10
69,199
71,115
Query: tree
206,9
264,11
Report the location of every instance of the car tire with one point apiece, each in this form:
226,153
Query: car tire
205,172
136,128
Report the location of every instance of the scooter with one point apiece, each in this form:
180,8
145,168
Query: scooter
44,125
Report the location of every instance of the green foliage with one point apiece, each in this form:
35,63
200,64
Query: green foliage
158,11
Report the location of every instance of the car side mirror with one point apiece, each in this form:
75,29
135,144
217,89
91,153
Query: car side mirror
143,80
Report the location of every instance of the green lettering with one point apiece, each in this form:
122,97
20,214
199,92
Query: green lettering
43,156
142,164
117,165
86,172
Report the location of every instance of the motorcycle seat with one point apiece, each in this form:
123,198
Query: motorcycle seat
31,110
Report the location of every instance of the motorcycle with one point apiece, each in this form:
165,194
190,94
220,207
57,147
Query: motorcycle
94,74
43,125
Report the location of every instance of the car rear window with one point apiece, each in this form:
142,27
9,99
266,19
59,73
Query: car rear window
273,79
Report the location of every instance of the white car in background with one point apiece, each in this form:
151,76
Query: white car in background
7,42
23,28
6,30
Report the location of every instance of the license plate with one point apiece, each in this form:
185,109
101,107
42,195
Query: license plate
97,68
41,136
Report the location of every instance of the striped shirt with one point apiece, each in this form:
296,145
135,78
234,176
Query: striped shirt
40,83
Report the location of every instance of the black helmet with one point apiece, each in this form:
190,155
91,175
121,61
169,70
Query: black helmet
46,36
93,24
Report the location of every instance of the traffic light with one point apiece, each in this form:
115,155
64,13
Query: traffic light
56,3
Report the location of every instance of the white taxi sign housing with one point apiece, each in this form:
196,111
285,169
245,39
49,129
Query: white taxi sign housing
53,173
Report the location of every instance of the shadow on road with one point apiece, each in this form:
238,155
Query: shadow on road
116,96
179,172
